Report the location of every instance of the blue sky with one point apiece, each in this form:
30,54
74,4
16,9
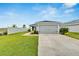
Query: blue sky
30,13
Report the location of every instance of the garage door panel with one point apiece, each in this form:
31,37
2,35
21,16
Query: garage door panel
48,29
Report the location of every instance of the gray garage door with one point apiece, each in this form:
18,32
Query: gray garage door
48,29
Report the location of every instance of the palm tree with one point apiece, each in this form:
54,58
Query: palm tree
24,26
14,26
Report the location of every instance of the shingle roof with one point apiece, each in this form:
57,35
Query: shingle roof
46,23
75,22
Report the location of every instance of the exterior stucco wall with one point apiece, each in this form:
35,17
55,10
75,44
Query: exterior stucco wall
74,28
37,28
11,30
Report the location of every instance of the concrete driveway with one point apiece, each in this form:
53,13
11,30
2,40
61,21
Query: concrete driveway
57,45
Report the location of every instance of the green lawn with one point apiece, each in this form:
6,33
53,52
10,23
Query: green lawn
18,45
73,34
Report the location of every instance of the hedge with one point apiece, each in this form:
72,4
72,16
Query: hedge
63,30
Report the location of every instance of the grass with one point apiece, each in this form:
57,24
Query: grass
73,35
18,45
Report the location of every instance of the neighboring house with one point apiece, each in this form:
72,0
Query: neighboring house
11,30
3,30
46,27
73,26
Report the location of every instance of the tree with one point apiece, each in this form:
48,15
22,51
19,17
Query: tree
14,26
24,26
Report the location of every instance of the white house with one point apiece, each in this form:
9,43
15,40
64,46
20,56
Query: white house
73,26
11,30
46,27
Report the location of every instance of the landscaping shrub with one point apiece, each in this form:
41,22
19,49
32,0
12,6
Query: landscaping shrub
29,30
5,33
63,30
34,32
1,34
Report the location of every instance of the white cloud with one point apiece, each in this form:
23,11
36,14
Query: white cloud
48,13
10,13
69,11
69,5
11,16
68,8
36,8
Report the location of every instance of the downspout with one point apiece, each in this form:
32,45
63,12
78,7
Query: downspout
58,28
38,28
